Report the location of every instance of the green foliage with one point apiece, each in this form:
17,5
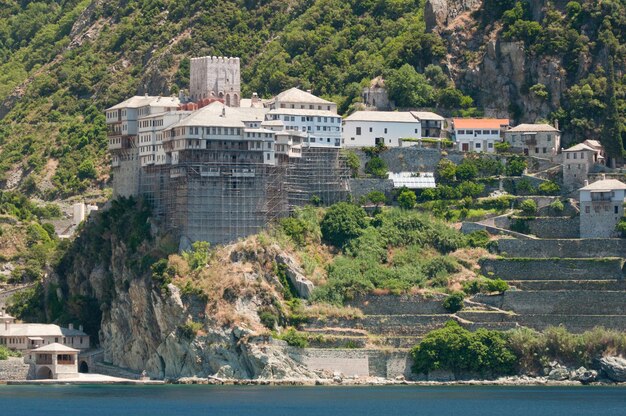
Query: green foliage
549,188
621,227
406,199
294,338
445,173
5,353
528,207
557,206
343,222
353,162
376,198
376,167
454,302
189,330
502,147
515,166
455,349
26,304
162,273
520,225
268,319
479,238
540,91
407,88
198,256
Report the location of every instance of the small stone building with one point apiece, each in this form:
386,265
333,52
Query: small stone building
375,95
577,163
540,140
601,208
54,361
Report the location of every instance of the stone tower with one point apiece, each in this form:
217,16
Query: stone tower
215,77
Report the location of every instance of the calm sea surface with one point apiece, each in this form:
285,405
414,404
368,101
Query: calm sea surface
304,401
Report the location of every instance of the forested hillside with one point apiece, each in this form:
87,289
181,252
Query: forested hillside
62,62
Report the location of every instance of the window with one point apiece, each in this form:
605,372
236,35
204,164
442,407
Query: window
587,210
567,155
477,145
370,129
490,145
615,209
358,131
544,150
415,131
549,137
385,131
352,138
536,150
485,131
575,155
461,132
469,131
494,132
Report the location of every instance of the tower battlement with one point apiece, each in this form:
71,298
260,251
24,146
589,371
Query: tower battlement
216,77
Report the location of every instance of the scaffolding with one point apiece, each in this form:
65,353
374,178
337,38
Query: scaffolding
319,174
220,202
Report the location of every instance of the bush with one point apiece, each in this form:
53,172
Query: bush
454,302
478,238
520,225
189,330
407,199
353,162
515,166
377,198
268,319
621,227
456,349
198,256
557,206
294,338
549,188
376,167
497,285
529,207
342,223
502,147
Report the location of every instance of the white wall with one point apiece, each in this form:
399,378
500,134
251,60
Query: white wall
370,130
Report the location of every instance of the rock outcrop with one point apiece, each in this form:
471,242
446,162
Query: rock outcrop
614,368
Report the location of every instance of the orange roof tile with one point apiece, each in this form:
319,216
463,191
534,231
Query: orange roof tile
480,123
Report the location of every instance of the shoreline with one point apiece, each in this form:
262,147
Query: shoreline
530,382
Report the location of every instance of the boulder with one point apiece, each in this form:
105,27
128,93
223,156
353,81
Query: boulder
614,368
584,376
558,374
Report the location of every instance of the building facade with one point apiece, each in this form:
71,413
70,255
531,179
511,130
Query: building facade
542,140
478,134
578,161
214,170
384,128
601,208
375,95
432,124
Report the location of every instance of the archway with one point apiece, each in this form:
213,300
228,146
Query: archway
83,367
44,373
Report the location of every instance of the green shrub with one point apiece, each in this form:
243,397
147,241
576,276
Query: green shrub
557,206
294,338
529,207
376,197
520,225
376,167
198,256
454,302
549,188
478,238
502,147
497,285
515,166
342,223
353,162
453,348
268,319
189,330
621,227
406,199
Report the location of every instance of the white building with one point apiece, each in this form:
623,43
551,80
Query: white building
22,337
432,124
321,128
295,98
601,208
371,128
478,134
150,136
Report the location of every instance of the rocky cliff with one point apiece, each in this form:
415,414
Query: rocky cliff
154,326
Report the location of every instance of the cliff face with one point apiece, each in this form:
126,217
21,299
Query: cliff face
168,332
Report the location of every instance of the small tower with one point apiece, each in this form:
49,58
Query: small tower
215,78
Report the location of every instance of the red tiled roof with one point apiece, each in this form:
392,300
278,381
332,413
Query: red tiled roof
480,123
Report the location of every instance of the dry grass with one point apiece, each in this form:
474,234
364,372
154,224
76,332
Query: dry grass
323,310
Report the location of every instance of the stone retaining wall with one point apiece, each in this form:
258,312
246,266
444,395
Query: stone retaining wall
14,369
351,362
571,303
554,269
398,304
361,187
545,227
575,248
410,159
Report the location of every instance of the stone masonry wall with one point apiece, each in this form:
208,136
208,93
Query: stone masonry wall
578,248
362,187
398,304
546,227
14,369
351,362
554,269
410,159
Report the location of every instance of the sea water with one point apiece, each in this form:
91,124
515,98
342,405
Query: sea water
305,401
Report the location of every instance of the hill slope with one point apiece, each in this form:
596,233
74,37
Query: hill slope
63,62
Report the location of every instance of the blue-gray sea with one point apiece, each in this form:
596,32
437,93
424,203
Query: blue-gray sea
305,401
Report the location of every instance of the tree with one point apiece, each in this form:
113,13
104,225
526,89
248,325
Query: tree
454,302
198,256
466,171
377,198
407,199
342,223
529,207
376,167
611,137
408,88
516,165
353,162
445,172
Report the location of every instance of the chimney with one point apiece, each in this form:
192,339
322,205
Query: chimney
71,326
80,328
255,98
556,123
309,91
586,182
604,176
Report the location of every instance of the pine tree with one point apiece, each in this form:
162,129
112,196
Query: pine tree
611,137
